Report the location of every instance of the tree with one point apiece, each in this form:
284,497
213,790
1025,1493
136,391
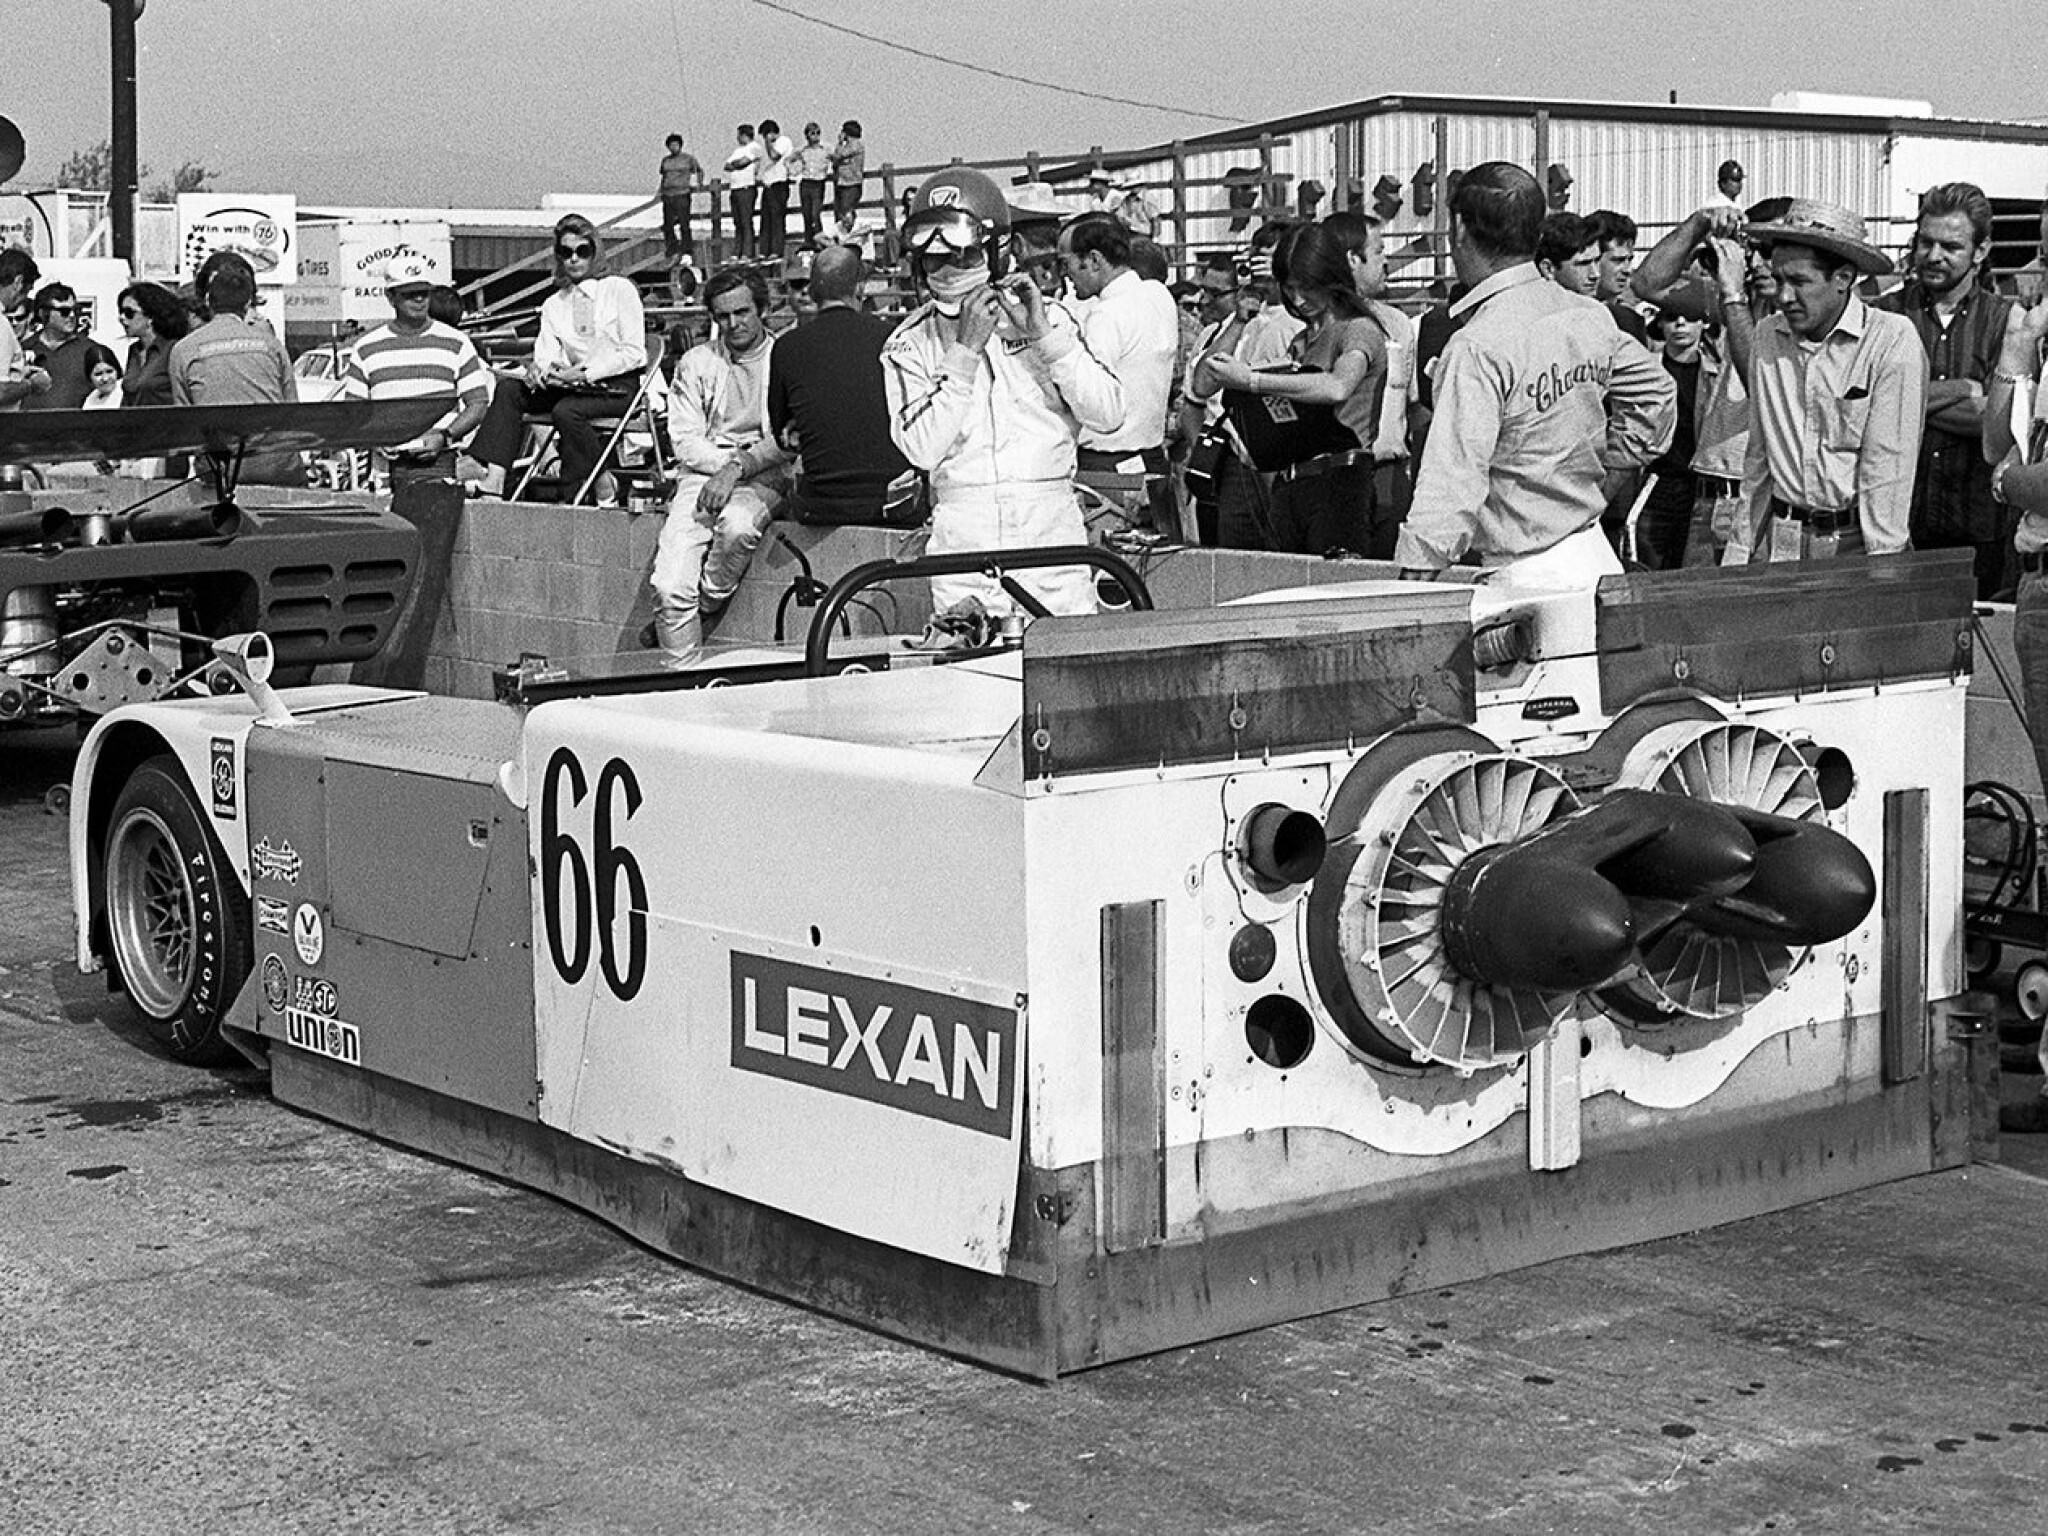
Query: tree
92,170
89,170
189,177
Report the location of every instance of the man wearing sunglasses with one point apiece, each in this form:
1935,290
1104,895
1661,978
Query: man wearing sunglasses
61,349
989,386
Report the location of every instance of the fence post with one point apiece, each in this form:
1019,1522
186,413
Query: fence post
1269,184
1440,225
1180,207
1542,147
1340,195
889,201
718,253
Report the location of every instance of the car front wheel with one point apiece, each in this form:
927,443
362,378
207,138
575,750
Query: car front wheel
176,914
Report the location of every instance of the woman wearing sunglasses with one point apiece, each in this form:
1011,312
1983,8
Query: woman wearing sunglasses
153,317
588,357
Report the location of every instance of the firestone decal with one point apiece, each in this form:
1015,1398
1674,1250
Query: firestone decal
280,863
309,934
276,986
274,915
926,1053
222,778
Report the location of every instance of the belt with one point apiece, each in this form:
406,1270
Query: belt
1716,485
1818,520
1107,459
1326,464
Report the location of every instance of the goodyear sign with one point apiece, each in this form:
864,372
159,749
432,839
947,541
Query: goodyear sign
926,1053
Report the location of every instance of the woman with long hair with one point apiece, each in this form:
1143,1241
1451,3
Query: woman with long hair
153,317
1323,503
587,361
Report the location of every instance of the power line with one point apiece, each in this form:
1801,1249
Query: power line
983,69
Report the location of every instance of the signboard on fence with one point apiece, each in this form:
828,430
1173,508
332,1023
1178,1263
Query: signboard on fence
364,248
262,226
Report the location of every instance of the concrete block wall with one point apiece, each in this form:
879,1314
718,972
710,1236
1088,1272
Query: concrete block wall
568,582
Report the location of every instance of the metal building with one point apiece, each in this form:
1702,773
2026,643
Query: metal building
1654,161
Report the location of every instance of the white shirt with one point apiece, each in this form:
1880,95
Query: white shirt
743,165
779,153
1134,327
1391,441
615,340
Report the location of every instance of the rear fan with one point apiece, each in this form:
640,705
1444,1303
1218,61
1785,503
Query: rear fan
1374,942
1687,973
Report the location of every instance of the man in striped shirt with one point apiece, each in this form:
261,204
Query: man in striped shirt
413,357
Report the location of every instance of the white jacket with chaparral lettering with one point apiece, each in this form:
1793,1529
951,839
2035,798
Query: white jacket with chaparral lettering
1005,416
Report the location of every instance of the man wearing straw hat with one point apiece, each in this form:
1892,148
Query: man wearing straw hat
1837,395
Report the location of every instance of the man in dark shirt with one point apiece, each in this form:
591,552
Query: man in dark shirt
826,402
1962,325
61,348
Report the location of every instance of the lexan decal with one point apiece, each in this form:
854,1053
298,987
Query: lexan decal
871,1038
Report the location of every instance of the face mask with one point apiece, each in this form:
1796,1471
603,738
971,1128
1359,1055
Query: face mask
951,285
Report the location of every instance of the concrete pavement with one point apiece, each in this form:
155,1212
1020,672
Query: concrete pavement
217,1314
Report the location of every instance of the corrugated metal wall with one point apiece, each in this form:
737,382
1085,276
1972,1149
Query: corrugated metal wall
1655,172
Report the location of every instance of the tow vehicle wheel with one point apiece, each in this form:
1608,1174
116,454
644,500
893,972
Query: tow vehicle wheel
176,913
1981,958
2030,990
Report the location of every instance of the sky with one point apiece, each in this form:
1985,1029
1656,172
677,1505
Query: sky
493,103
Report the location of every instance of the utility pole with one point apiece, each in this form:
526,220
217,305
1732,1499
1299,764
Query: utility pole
122,174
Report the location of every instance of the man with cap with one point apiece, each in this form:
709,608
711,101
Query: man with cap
1540,401
989,386
1837,392
1728,184
413,356
1036,214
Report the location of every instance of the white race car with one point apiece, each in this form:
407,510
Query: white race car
1166,975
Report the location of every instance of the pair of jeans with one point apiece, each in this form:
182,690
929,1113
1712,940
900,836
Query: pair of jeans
1318,513
774,220
811,197
742,199
675,226
700,558
574,413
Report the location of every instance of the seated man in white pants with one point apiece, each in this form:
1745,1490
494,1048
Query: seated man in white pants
732,477
989,386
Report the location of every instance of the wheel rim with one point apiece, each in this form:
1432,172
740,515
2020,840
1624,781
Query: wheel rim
152,913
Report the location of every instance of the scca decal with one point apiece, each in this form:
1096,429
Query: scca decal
928,1053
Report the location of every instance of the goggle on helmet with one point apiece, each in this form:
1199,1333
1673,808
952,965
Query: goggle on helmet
957,211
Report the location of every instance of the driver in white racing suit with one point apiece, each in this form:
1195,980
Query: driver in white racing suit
989,385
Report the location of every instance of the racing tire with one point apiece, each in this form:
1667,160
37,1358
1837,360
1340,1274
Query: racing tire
177,917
